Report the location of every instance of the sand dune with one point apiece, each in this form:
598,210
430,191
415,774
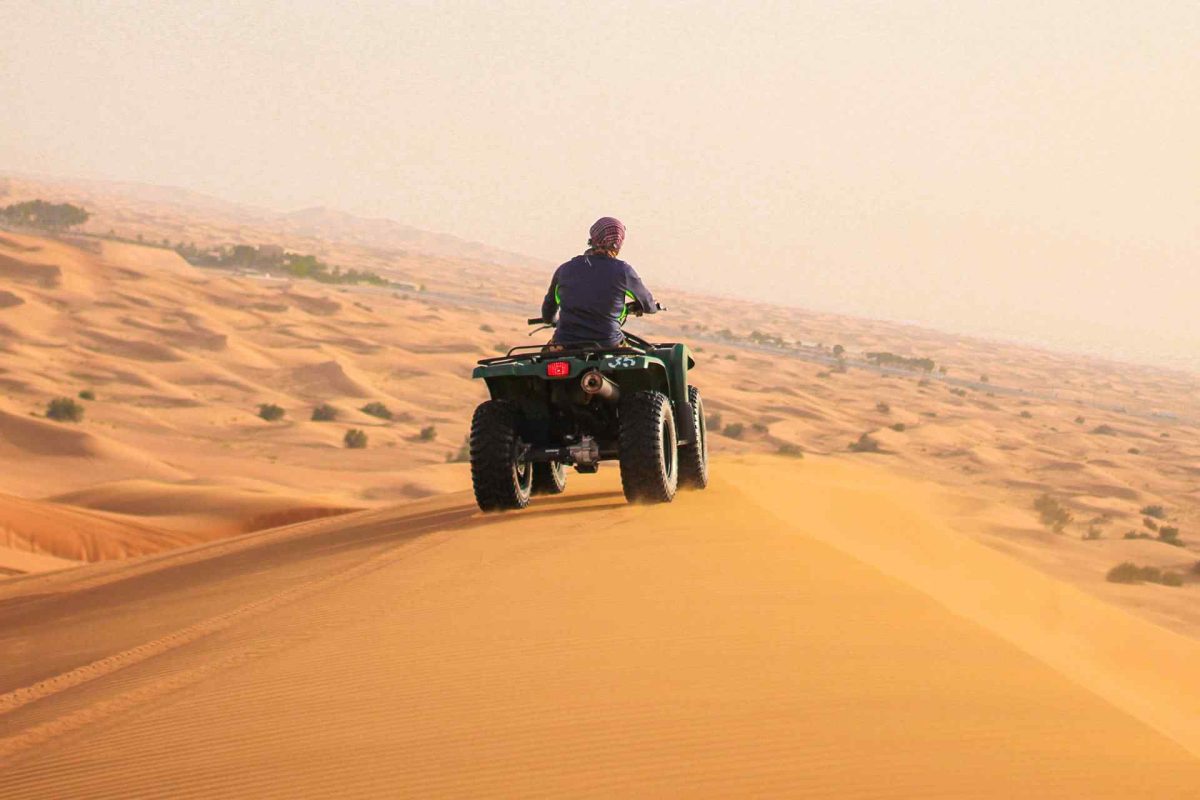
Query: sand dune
708,648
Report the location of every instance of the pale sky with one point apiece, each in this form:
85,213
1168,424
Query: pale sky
1027,170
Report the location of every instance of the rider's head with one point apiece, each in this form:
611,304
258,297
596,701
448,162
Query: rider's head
606,236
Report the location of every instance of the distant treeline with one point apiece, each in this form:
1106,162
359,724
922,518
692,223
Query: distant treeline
893,360
274,259
42,214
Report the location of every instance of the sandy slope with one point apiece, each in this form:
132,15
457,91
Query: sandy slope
715,647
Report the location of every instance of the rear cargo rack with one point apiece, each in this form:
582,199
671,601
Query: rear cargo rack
538,352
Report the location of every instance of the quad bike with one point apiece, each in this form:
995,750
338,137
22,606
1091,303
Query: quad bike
552,407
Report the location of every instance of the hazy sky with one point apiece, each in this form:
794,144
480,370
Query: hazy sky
1017,168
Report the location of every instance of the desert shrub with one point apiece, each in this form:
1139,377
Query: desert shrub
1052,513
1080,420
1128,572
1133,451
790,450
270,412
1137,535
732,356
899,427
838,351
1157,512
883,408
377,409
713,422
734,430
428,433
1093,533
1026,415
87,394
64,409
487,328
865,444
1125,572
355,439
1151,524
324,413
759,427
1104,430
1169,535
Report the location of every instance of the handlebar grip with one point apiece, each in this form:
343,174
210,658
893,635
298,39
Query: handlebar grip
536,321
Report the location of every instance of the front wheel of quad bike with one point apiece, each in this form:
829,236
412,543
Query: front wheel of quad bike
649,453
502,481
693,457
549,478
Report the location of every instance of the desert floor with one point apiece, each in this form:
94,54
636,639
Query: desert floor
201,600
720,646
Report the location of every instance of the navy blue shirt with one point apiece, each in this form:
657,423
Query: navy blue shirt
589,292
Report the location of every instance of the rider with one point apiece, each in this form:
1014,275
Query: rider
590,291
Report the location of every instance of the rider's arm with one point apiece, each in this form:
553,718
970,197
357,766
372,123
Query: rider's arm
550,304
635,287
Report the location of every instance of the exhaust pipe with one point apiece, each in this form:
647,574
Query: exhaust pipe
594,384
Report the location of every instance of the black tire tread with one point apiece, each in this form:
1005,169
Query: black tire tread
493,439
693,461
643,477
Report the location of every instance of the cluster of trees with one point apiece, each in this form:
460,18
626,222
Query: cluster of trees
893,360
41,214
272,259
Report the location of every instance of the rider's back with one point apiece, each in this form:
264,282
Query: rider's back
590,292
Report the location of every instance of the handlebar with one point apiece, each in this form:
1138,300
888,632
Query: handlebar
634,308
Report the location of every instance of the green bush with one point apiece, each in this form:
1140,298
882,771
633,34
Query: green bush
355,439
324,413
883,408
759,427
1128,572
899,427
1080,420
64,409
1151,524
1104,430
1157,512
713,422
1052,513
734,430
790,450
377,409
428,433
1137,535
87,394
270,412
487,328
1169,535
865,444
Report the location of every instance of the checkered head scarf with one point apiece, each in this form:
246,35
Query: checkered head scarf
606,237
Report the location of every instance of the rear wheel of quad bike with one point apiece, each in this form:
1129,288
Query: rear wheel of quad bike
501,480
549,478
693,457
649,453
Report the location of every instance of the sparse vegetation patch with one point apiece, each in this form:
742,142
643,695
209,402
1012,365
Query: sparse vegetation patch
1052,513
324,413
270,412
355,439
1128,572
64,409
377,409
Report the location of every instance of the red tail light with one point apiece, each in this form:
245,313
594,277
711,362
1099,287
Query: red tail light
558,369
